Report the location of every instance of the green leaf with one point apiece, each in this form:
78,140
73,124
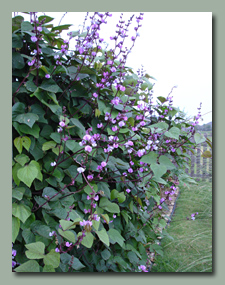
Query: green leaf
97,112
96,224
106,218
26,26
27,174
34,131
105,254
15,169
173,133
126,216
49,85
87,240
68,235
29,266
18,108
161,126
150,158
46,19
35,250
16,41
56,137
18,144
28,236
108,206
15,228
37,165
21,211
114,194
30,86
206,154
67,225
48,268
158,170
199,138
162,99
66,259
103,236
115,236
22,159
48,145
121,197
52,259
50,192
43,231
17,193
78,124
166,162
26,142
17,60
88,189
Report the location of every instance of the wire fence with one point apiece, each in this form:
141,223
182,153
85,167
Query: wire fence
200,167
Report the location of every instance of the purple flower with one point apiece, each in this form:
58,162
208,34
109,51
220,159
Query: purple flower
13,263
53,163
130,170
87,137
62,124
47,76
113,69
121,124
99,167
95,95
103,163
99,125
122,88
57,250
114,128
90,177
115,101
68,244
81,50
140,152
88,148
142,268
162,200
39,29
128,190
96,198
142,123
33,39
13,252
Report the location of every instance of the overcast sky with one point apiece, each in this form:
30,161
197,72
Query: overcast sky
174,47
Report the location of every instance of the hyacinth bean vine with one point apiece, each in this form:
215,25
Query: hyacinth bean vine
91,153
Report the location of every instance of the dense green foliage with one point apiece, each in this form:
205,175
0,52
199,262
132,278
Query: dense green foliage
90,157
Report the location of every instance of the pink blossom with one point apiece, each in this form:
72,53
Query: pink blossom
103,163
88,148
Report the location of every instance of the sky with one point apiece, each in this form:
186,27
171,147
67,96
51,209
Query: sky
173,47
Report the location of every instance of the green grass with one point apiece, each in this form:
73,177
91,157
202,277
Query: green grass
191,247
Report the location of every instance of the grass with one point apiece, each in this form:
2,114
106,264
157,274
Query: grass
191,247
